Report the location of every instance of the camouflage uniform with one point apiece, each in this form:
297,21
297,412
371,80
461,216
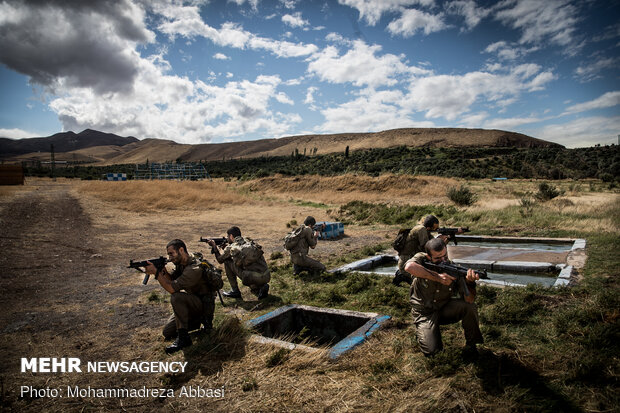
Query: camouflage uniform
416,239
434,304
255,275
299,253
193,302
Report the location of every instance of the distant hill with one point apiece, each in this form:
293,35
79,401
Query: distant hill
156,150
63,142
108,149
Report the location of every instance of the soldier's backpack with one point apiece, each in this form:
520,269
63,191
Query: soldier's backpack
246,253
292,238
401,239
211,274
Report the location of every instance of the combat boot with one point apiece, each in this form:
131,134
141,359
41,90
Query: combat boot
232,294
263,292
183,340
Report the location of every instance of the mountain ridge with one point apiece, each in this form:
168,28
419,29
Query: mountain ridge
119,150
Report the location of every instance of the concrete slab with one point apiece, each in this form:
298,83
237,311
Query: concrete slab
523,266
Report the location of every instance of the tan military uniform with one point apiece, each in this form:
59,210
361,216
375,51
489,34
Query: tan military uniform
417,238
255,275
434,304
299,253
192,301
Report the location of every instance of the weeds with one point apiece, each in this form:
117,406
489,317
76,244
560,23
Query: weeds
461,196
547,192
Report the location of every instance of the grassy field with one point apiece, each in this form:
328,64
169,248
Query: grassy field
545,349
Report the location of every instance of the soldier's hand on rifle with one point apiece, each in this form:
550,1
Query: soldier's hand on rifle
460,230
444,238
446,279
471,276
150,268
211,243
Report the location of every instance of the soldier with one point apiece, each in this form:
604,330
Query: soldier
435,300
298,243
243,258
414,242
193,301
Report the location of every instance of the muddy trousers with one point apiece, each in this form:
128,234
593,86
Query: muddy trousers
427,325
190,310
304,261
253,279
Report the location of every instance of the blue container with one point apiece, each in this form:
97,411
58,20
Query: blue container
332,230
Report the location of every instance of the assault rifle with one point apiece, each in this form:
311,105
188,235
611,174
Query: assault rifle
451,232
319,227
455,271
159,263
219,242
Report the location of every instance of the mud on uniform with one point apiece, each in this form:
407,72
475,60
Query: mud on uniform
299,253
193,302
434,304
255,275
417,238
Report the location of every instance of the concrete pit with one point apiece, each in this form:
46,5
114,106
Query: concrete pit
307,327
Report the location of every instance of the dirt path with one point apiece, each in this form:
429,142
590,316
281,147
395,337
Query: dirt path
58,296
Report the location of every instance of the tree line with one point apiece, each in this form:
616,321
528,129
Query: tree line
602,162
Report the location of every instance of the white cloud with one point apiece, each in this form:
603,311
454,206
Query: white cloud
372,111
310,95
294,20
172,107
469,10
221,56
186,21
608,100
551,21
289,4
16,134
372,10
582,132
359,66
509,123
591,70
413,20
283,98
450,96
507,51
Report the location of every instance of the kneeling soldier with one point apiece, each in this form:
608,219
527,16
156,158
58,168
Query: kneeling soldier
193,301
435,300
243,258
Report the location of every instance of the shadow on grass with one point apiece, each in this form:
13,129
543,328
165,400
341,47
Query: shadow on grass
210,350
501,373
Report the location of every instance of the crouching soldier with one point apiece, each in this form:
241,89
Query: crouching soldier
192,297
298,243
243,258
436,300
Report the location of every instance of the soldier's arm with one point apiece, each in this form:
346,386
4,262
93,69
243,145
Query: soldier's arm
312,240
418,270
163,277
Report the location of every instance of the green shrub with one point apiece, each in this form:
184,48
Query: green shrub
547,192
462,196
277,358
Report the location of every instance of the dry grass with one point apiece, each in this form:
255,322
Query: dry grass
144,196
345,188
